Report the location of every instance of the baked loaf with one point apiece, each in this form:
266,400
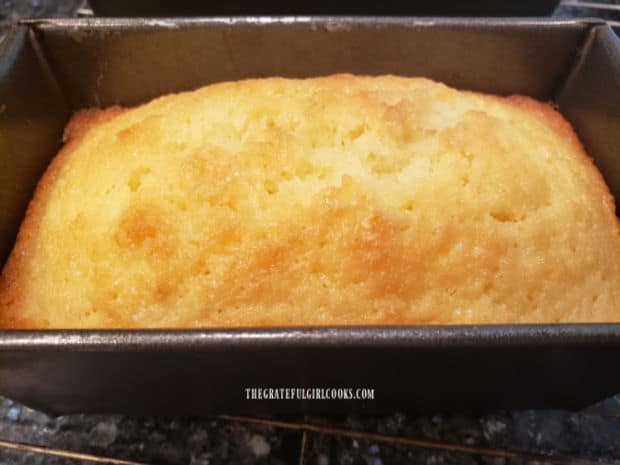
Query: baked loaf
337,200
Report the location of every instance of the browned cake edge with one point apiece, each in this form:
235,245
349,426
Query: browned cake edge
13,285
564,130
12,280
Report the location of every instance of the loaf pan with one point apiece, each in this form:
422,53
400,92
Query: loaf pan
49,68
116,8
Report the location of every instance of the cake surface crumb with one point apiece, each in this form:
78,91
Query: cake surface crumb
343,200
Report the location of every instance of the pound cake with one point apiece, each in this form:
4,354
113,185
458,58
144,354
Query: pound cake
331,201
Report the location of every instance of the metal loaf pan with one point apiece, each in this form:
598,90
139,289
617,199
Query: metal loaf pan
159,8
49,68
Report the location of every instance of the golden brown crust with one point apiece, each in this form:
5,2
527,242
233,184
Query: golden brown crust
337,200
14,274
565,131
84,120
